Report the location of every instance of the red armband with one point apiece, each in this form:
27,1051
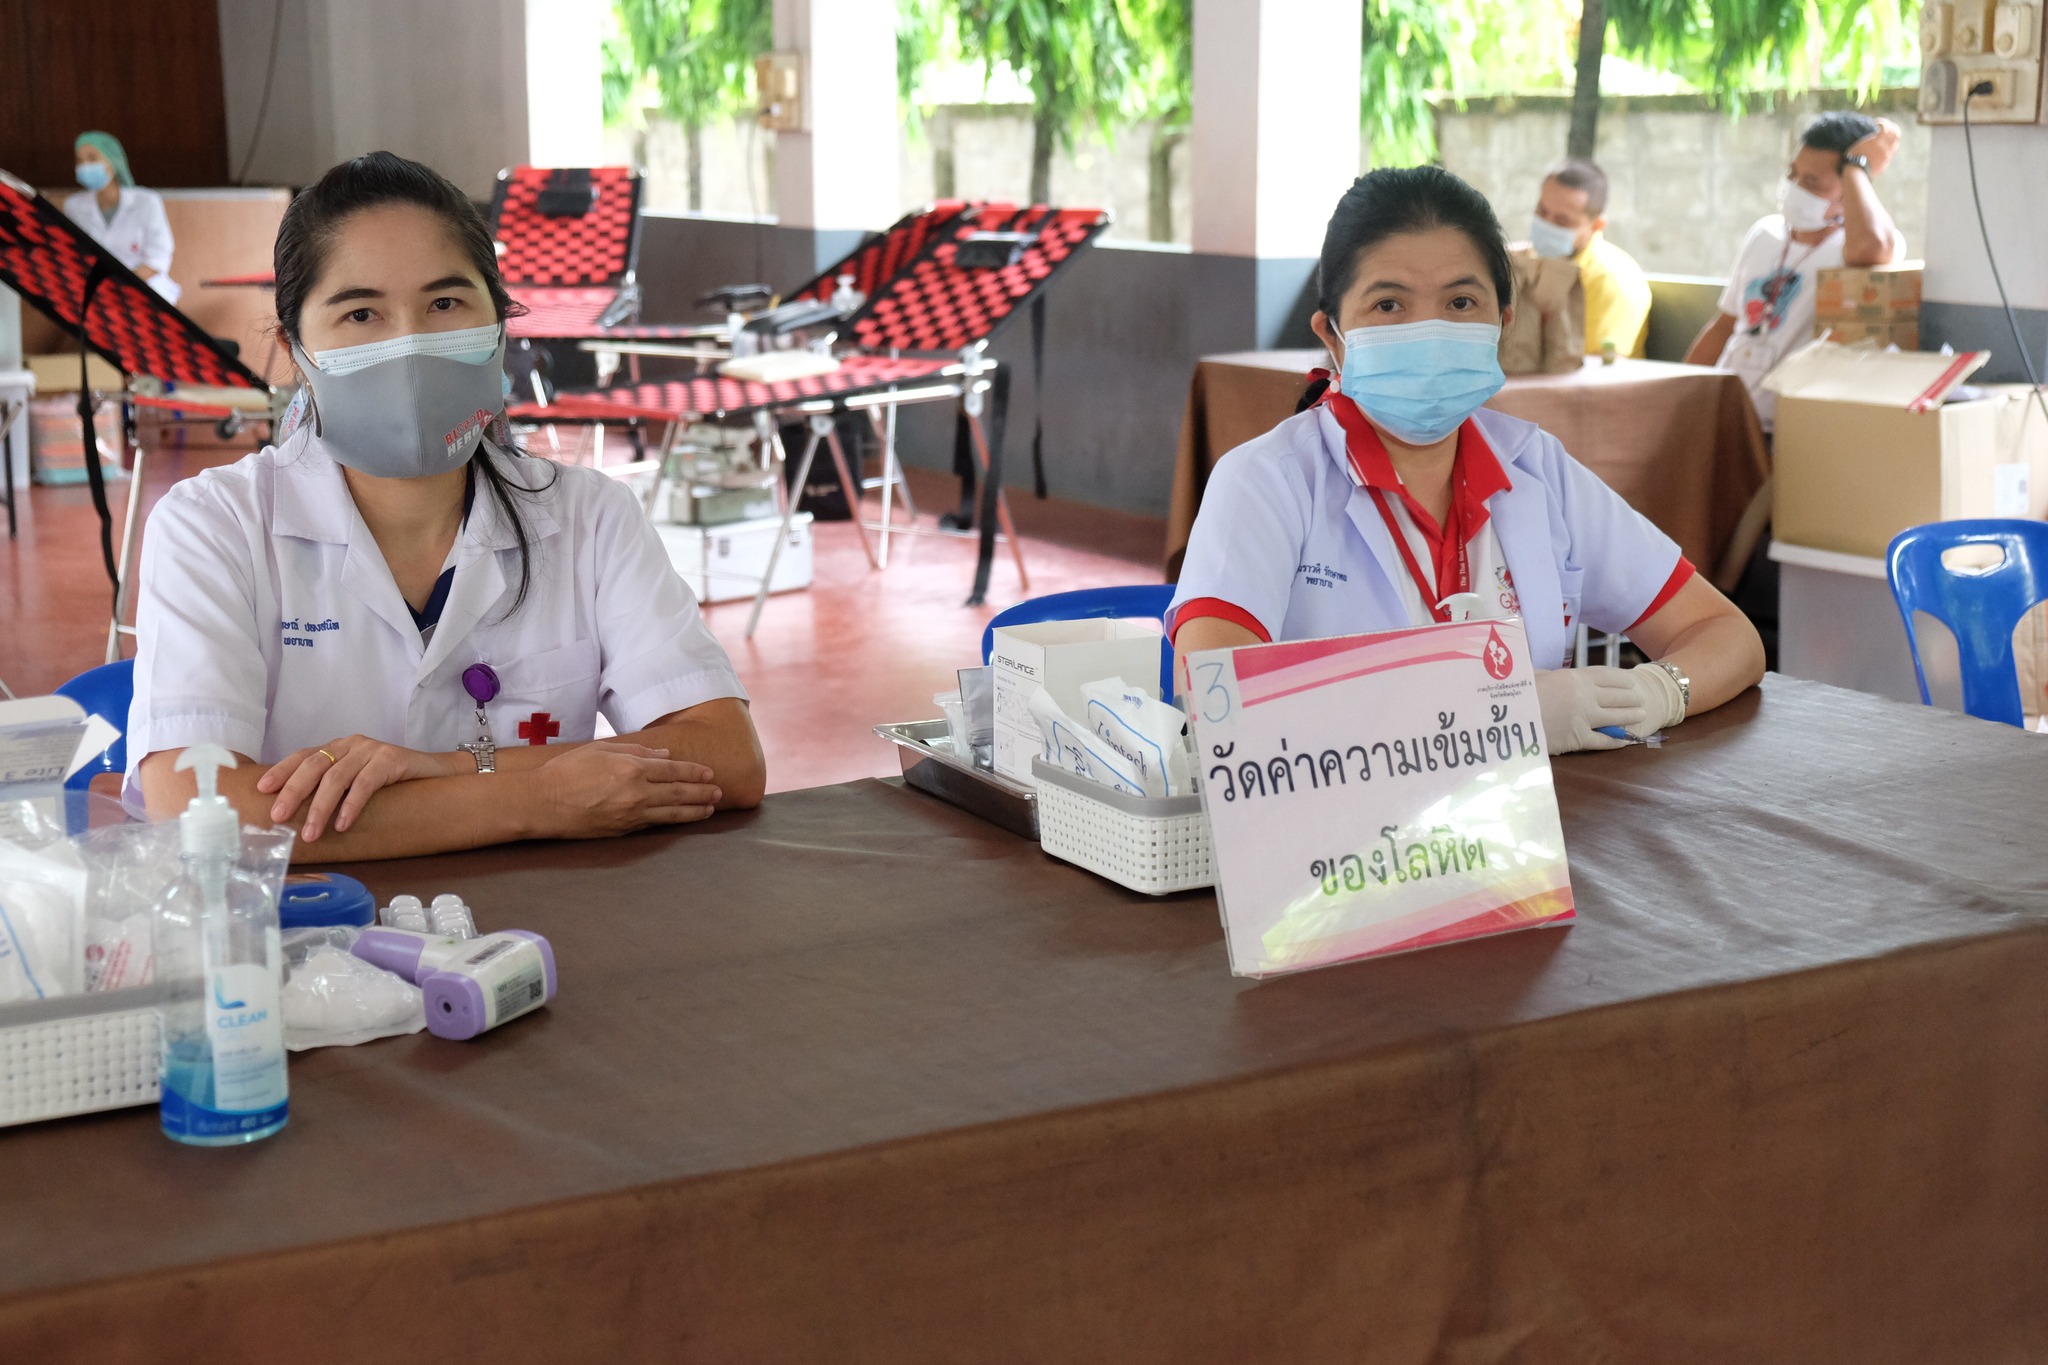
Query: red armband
1680,576
1218,609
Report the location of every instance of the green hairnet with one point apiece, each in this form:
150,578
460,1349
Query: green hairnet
108,146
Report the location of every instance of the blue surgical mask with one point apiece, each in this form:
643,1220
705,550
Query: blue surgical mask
93,175
1552,242
1420,380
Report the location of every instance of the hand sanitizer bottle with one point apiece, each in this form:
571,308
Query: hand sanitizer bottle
217,933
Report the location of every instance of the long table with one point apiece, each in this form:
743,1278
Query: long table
1680,442
860,1078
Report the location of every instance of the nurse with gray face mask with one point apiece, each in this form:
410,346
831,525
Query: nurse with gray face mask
405,628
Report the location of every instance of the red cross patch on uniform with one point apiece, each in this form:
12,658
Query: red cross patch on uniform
539,728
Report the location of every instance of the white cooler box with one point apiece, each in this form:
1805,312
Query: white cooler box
725,563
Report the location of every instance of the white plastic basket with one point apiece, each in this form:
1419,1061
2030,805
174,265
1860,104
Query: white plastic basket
79,1054
1153,845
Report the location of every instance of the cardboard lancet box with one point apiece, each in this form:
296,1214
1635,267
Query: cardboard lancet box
1871,442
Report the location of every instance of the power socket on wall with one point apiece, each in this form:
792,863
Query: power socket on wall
1967,43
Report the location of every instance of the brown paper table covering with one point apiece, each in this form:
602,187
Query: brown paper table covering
860,1078
1680,442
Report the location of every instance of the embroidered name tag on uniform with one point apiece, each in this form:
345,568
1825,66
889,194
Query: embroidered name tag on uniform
304,633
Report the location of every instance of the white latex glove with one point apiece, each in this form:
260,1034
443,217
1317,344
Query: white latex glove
1577,702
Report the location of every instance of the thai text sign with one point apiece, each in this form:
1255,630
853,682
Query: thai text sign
1376,793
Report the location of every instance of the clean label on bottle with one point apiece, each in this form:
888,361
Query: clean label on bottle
245,1027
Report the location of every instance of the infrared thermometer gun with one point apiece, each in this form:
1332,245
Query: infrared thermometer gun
471,985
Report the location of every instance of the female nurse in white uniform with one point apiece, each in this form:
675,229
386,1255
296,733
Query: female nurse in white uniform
404,630
125,219
1398,499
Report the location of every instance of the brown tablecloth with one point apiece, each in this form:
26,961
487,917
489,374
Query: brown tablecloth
859,1078
1681,443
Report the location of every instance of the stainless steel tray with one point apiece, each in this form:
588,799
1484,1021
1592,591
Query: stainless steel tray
942,773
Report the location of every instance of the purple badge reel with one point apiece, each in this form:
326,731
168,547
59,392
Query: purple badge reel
481,683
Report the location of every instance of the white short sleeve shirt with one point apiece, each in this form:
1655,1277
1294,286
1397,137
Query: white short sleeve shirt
1771,293
1288,538
268,620
138,234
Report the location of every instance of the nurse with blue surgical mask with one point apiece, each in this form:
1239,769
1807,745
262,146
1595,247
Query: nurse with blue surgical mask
126,219
406,630
1399,499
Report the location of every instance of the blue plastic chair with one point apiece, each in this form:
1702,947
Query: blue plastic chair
1087,604
1980,607
105,692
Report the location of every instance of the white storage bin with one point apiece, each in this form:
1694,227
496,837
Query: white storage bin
725,563
1153,845
79,1054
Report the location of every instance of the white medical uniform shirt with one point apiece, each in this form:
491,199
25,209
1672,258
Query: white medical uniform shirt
269,621
1289,538
138,233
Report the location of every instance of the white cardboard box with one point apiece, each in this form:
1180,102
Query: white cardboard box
1060,656
725,563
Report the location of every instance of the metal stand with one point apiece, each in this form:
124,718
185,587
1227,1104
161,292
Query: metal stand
824,429
891,481
10,413
131,520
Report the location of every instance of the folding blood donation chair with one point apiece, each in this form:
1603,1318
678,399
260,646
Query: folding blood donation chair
864,270
945,304
167,361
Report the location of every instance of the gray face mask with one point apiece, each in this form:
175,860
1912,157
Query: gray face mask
408,416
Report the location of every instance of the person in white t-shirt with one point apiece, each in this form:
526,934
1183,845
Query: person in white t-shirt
1829,216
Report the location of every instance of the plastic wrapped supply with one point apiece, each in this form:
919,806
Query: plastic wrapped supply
950,707
1148,734
42,913
978,708
405,912
1078,750
335,999
129,868
450,918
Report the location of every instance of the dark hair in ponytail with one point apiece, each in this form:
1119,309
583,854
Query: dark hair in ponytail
306,237
1388,202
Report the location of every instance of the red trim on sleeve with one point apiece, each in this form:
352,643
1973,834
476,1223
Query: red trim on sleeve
1221,610
1680,576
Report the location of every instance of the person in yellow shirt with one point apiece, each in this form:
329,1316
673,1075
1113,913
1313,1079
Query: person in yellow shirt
1570,221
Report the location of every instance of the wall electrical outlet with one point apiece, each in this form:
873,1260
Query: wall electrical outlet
1965,43
778,79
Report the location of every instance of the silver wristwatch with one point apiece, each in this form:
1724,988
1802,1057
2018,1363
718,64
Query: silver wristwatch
1684,686
485,752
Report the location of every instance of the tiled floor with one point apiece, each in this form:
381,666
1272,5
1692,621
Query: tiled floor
859,648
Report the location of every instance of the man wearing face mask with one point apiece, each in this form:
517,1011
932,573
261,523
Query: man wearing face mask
1571,223
1829,215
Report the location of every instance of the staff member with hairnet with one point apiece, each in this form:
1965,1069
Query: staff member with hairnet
121,216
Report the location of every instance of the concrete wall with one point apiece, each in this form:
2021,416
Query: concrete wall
1124,327
1687,180
970,150
1960,304
452,90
